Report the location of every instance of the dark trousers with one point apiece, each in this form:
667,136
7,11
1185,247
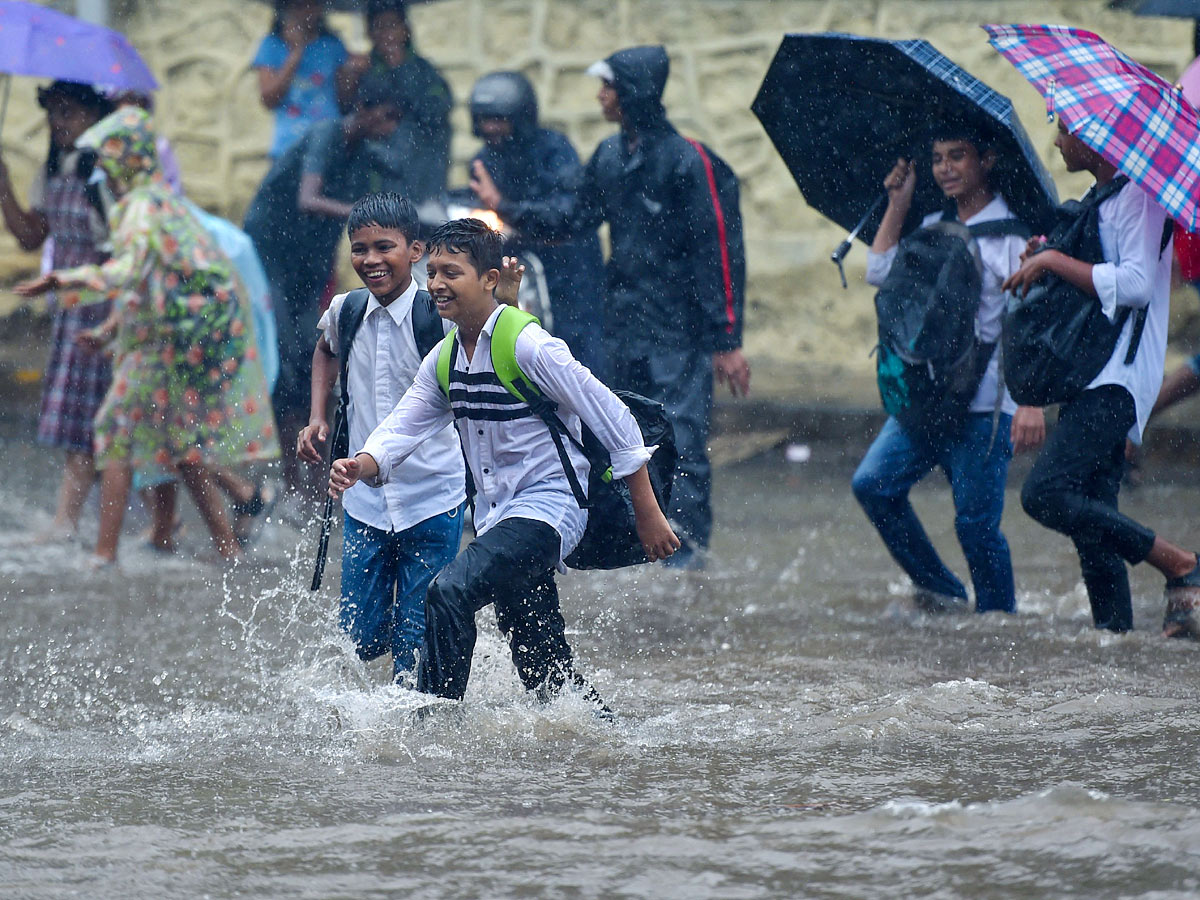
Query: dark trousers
682,380
512,567
1073,490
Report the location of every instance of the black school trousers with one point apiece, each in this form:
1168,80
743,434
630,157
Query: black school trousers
511,566
1073,489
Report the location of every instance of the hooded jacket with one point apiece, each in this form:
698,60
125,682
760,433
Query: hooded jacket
664,281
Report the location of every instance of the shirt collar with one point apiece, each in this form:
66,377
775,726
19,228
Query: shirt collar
996,208
490,325
398,308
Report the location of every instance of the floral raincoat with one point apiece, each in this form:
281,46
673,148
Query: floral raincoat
187,386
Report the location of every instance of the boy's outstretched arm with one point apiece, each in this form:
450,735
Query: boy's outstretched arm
654,531
511,273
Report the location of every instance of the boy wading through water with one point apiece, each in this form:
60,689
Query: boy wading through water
526,515
396,538
974,455
1074,483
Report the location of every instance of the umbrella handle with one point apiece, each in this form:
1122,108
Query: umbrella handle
844,247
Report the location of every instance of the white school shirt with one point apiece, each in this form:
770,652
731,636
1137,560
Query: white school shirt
1001,256
1135,275
514,463
383,360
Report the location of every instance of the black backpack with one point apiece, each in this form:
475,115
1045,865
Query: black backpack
427,331
1056,337
930,361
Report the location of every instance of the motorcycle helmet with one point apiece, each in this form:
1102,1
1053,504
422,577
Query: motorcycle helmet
504,95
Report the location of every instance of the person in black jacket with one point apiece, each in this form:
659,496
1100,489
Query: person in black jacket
522,171
670,321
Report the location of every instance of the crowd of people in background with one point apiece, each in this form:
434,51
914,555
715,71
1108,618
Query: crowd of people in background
184,348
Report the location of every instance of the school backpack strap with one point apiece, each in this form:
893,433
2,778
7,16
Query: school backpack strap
728,231
509,324
446,356
350,317
426,323
1139,317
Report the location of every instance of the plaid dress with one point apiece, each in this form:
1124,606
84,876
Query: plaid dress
76,378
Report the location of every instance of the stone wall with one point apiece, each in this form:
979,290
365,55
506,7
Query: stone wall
798,316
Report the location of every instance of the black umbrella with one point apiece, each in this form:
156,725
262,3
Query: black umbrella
841,109
1179,9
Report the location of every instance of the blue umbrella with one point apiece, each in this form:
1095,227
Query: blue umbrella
841,108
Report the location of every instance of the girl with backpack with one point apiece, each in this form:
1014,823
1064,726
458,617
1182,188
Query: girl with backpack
1073,486
971,436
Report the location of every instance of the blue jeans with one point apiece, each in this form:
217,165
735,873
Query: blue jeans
384,578
977,476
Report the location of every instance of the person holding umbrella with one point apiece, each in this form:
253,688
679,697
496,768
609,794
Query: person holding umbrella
76,378
1129,129
975,452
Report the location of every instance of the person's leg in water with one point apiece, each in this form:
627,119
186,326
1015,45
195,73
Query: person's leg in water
369,564
881,484
162,502
1073,489
505,565
207,497
115,481
420,553
977,466
248,500
1178,385
79,474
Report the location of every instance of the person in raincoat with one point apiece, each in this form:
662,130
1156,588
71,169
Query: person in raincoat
188,393
669,324
521,171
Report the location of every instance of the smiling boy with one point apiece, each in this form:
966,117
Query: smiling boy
975,457
398,537
527,519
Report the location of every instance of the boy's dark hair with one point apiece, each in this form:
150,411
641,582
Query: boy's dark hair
472,238
379,89
387,210
377,8
982,139
277,22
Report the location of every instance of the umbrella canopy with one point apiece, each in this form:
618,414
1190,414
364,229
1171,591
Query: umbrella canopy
841,109
1183,9
1119,108
45,43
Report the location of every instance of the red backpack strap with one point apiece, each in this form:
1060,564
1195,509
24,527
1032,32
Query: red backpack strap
722,236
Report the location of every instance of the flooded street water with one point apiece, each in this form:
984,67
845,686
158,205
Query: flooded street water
167,731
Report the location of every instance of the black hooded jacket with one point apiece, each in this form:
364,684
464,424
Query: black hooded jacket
664,279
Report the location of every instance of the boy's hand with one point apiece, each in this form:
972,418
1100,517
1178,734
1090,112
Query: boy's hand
511,273
343,475
1033,245
483,185
900,183
1028,428
658,539
1032,269
732,368
36,286
310,435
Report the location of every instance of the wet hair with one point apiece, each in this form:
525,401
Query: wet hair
483,246
387,210
376,8
982,139
277,22
73,92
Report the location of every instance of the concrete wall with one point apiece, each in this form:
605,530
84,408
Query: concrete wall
802,326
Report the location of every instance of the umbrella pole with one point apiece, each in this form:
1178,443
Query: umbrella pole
844,247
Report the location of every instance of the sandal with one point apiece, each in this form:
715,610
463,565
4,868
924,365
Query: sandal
249,515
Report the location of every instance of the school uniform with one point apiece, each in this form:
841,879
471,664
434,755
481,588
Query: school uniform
398,536
974,459
1074,483
526,517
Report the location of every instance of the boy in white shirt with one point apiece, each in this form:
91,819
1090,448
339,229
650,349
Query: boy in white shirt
396,538
1073,486
975,457
527,518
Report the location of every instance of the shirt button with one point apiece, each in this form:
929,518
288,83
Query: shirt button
493,506
486,471
480,431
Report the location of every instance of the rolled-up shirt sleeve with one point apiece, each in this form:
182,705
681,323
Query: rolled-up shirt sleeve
1137,226
574,388
422,412
879,264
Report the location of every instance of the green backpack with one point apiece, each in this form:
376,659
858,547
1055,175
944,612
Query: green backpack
610,540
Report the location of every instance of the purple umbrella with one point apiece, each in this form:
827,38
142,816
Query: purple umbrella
45,43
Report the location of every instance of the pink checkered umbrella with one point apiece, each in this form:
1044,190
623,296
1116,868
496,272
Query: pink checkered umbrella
1119,108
